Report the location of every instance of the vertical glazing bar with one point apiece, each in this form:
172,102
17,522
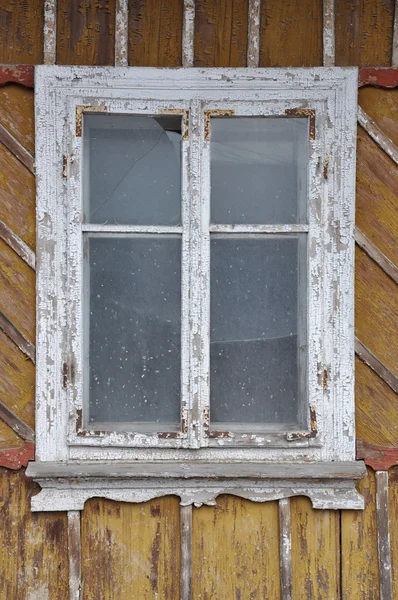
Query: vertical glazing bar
74,554
285,549
121,34
186,552
188,32
50,32
328,34
383,535
253,34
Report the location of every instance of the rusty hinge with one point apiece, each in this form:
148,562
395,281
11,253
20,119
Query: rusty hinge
64,166
326,168
304,435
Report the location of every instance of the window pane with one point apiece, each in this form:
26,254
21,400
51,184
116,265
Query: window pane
254,355
133,286
258,170
134,165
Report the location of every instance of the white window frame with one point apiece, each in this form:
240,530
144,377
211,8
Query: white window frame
318,461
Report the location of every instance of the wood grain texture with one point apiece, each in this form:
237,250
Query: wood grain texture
9,439
235,550
376,310
364,32
359,560
383,534
393,510
291,33
17,291
21,32
33,564
221,33
17,381
131,550
85,32
376,201
376,408
382,106
155,33
315,552
17,114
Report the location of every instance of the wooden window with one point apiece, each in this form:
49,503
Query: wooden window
195,281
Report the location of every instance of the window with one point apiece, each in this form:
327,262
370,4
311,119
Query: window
195,293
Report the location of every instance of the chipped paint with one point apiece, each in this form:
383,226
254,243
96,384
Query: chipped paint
188,32
304,112
208,114
253,34
121,33
328,33
50,32
185,119
86,109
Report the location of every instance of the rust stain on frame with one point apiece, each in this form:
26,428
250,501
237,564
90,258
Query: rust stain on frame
304,112
302,435
185,119
86,109
215,113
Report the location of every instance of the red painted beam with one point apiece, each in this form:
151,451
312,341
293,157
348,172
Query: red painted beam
15,458
22,74
378,77
380,458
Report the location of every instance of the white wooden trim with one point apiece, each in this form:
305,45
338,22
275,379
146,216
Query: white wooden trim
329,33
121,33
331,93
50,32
253,34
188,33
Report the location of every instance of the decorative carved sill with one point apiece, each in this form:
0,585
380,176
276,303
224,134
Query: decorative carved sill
67,486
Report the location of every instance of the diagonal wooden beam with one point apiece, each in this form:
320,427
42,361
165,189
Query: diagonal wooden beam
12,144
20,427
17,337
378,135
366,356
376,254
18,245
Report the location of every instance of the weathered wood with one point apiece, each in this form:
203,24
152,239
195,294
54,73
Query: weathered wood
18,245
13,421
381,105
382,77
376,213
374,363
376,310
121,33
393,511
359,564
22,74
155,33
85,32
221,33
21,32
364,32
315,551
15,458
188,33
235,550
74,555
291,33
394,58
253,34
33,561
376,408
376,254
285,549
186,553
328,33
15,147
50,31
131,551
383,535
380,458
17,337
378,135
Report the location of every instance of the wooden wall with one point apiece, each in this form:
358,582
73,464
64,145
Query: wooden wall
132,552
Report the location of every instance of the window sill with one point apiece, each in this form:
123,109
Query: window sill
67,486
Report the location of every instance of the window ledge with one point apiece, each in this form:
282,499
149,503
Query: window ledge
67,486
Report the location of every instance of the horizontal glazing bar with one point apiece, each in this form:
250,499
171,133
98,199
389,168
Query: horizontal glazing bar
259,228
94,228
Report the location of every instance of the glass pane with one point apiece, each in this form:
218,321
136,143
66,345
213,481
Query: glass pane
134,165
254,355
134,328
258,170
